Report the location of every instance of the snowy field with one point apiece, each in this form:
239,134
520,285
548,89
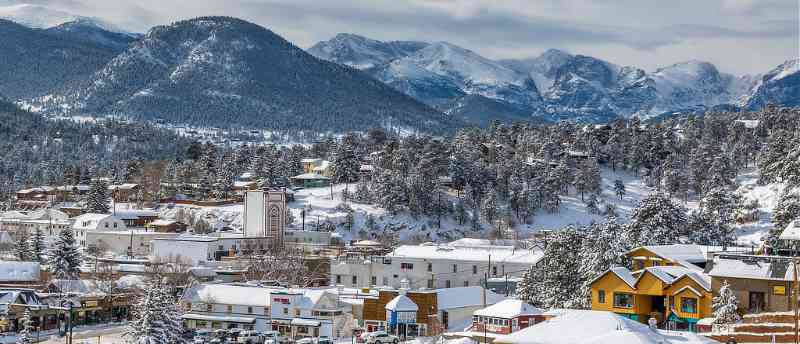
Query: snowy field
320,208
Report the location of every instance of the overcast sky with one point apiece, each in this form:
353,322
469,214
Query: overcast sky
739,36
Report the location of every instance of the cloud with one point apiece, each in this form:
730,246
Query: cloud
658,32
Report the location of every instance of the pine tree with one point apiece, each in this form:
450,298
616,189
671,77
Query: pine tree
38,245
149,326
555,281
63,257
602,249
22,248
656,221
725,305
24,336
97,198
619,188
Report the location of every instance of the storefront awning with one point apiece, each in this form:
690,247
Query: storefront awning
241,320
305,322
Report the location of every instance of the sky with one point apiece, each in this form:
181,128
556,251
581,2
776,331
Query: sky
738,36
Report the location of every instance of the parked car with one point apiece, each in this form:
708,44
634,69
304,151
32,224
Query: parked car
249,337
305,341
381,337
274,337
324,340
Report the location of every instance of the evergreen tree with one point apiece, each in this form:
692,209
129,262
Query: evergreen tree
149,325
725,305
97,198
345,164
22,248
656,221
24,335
602,249
38,245
63,257
555,281
619,188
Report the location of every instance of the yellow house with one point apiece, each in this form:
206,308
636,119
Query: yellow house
690,256
673,294
317,166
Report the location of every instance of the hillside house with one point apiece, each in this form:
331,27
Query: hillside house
505,317
761,283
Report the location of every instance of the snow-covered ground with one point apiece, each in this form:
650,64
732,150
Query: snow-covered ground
322,209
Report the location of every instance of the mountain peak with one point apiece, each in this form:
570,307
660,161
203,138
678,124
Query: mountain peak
361,52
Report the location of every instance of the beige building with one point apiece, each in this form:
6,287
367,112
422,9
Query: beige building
761,283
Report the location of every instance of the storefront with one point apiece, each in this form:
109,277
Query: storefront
202,321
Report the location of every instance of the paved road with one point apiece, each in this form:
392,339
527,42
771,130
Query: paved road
109,335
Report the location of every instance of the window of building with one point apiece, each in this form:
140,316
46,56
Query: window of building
373,280
285,311
601,296
474,269
430,267
208,307
455,268
230,309
430,284
688,305
406,266
385,280
250,309
447,284
106,224
623,300
355,280
296,312
338,279
466,283
494,271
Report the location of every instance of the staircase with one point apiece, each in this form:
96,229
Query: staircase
757,328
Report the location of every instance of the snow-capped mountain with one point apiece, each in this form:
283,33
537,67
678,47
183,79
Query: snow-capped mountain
779,86
361,52
553,86
42,17
90,31
222,71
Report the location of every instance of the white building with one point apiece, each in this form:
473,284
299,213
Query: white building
136,242
94,223
195,250
456,305
458,264
296,313
265,215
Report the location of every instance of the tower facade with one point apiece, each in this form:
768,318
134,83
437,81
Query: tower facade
265,215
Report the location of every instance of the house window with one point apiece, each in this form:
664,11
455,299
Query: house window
338,279
623,300
406,266
355,280
494,271
296,312
430,284
385,280
601,296
430,267
106,224
373,280
474,270
285,311
208,307
230,309
466,283
250,309
688,305
447,284
115,225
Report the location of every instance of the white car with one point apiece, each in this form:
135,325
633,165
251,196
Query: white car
249,337
273,337
380,337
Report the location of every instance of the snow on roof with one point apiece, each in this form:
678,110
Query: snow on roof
241,320
366,168
46,214
508,309
595,327
310,176
13,214
751,267
133,214
402,303
506,254
229,294
791,232
367,243
470,242
19,271
130,281
241,184
86,287
451,298
678,252
201,271
125,186
624,274
748,123
162,222
90,220
310,161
